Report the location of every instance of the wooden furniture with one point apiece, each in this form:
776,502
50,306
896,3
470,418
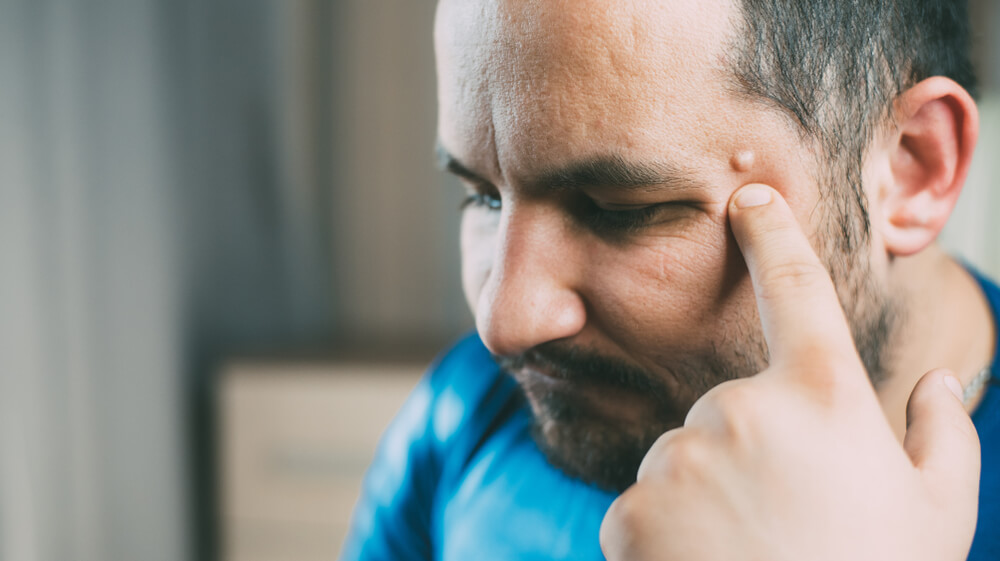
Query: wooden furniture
295,440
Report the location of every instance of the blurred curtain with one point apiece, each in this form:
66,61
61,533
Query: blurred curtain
395,215
91,455
159,211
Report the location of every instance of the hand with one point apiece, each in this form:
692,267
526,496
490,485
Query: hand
799,461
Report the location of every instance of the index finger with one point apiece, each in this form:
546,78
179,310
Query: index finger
799,310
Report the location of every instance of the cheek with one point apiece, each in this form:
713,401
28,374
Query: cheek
478,238
672,291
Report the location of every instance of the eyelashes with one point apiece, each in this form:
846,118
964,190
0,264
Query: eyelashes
480,200
600,220
625,221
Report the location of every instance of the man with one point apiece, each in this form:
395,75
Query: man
699,247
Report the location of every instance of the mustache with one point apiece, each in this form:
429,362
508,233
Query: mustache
579,365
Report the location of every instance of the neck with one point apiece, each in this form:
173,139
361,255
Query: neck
946,323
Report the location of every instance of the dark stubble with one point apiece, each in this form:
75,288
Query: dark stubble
587,443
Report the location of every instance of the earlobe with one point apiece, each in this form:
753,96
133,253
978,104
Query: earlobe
937,125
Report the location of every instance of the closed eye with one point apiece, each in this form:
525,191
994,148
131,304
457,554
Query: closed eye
620,220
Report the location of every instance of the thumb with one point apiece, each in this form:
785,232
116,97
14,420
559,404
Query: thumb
940,438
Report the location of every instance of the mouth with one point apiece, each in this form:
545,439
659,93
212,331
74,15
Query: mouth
563,379
584,384
614,379
596,397
540,372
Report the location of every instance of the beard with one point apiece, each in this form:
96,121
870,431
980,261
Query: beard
584,439
565,385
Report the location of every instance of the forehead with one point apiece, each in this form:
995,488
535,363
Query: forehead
537,82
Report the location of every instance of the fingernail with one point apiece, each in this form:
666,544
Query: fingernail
753,195
955,386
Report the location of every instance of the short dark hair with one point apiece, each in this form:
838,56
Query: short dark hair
836,67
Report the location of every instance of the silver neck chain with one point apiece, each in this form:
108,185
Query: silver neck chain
975,385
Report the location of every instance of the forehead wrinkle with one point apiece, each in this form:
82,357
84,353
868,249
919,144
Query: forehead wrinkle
569,105
571,63
466,34
557,78
570,42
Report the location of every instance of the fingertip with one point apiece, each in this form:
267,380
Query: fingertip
952,383
752,195
941,438
945,378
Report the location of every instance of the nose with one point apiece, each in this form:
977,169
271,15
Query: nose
532,293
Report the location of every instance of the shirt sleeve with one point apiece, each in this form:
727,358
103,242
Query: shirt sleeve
394,517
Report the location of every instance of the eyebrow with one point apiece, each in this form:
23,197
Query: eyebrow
612,171
451,164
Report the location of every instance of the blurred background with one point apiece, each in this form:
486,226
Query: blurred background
226,258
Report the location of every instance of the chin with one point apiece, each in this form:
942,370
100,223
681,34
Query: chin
593,444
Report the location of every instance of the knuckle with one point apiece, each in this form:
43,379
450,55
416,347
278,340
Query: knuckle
685,455
785,276
675,457
738,401
816,361
734,408
627,508
831,377
623,521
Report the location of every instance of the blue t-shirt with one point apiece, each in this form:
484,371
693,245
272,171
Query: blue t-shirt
457,475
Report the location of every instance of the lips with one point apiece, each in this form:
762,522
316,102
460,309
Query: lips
544,372
574,369
566,381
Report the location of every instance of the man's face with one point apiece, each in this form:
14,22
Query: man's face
600,141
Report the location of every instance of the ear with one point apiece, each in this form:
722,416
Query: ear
937,124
